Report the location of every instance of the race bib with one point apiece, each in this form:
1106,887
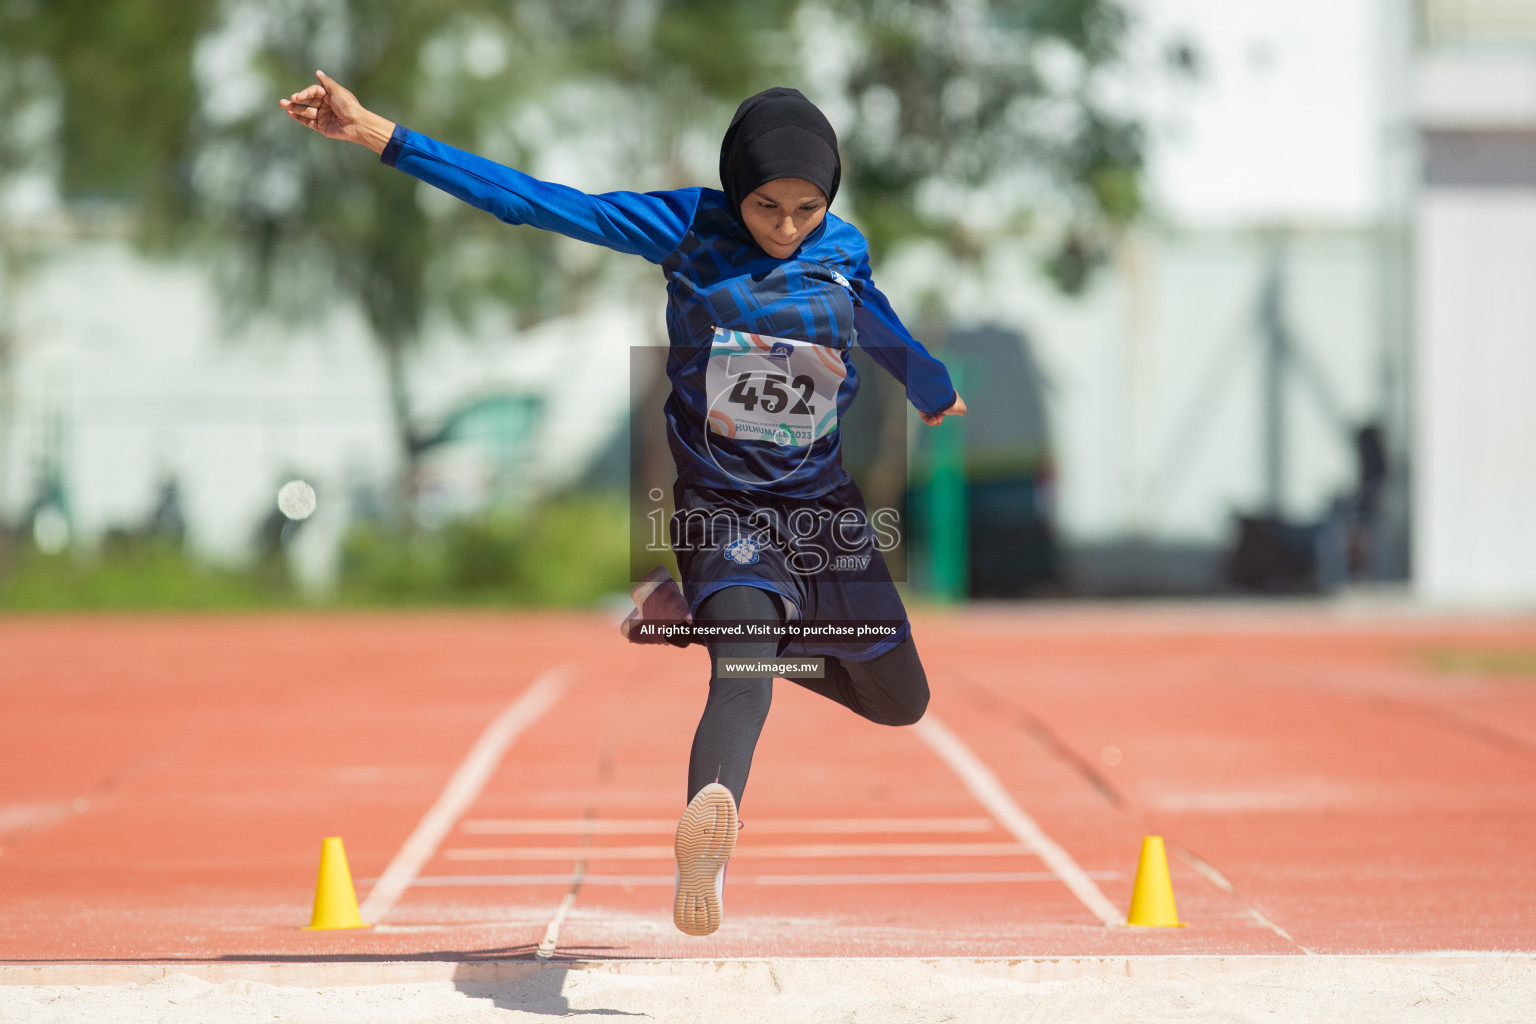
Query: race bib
772,389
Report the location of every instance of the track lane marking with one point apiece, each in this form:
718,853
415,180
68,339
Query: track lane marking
796,851
894,878
992,795
1213,874
666,826
552,931
462,790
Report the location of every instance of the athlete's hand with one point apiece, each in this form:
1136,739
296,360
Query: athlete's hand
334,112
958,409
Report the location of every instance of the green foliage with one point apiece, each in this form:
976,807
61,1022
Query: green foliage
1486,661
727,50
313,225
124,71
1071,264
960,95
571,552
137,575
999,95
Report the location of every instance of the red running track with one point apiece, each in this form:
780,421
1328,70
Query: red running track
165,784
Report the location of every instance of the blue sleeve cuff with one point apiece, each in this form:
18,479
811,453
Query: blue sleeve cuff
954,396
392,148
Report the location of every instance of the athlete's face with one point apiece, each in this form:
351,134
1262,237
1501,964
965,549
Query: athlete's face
782,213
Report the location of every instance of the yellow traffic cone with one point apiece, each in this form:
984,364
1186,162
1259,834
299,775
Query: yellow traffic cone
1152,898
335,899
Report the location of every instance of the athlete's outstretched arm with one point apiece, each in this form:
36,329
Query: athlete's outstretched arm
890,343
643,224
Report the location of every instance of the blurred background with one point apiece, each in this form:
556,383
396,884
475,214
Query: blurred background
1240,295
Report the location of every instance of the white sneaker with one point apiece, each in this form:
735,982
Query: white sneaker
706,836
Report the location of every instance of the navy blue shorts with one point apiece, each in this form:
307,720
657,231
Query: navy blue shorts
820,555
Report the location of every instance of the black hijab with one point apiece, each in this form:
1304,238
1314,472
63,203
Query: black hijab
778,134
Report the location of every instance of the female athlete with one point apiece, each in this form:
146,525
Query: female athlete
766,293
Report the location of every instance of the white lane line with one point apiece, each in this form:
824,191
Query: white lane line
552,932
986,788
896,878
666,826
1213,874
461,791
798,851
914,878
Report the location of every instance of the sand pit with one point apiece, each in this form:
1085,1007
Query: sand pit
1477,988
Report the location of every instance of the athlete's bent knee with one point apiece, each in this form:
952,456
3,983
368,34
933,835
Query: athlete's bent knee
906,690
902,704
909,712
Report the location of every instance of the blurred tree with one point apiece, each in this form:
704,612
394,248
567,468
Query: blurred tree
510,81
960,118
96,97
114,81
315,231
20,95
972,119
124,70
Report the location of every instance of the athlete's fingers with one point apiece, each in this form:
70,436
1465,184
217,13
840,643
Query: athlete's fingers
298,111
332,87
305,121
307,118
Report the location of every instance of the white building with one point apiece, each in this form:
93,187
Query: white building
1473,107
127,374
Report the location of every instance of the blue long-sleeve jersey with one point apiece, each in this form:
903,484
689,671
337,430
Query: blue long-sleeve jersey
759,358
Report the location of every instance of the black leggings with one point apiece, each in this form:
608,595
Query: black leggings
891,689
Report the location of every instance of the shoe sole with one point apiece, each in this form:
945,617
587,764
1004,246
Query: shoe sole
705,838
